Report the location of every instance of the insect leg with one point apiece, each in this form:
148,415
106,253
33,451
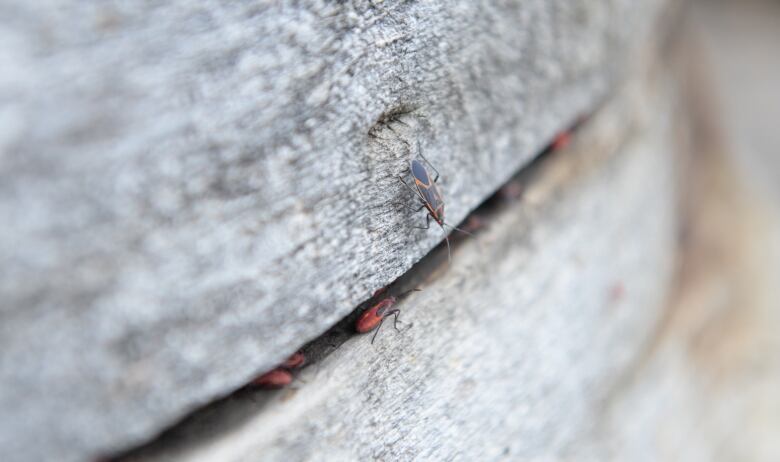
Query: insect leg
419,151
377,329
427,223
416,193
411,208
395,313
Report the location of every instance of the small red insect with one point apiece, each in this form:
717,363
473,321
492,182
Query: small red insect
295,361
276,378
561,140
373,317
281,376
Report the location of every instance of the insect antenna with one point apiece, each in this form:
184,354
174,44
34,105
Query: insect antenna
403,294
458,229
447,238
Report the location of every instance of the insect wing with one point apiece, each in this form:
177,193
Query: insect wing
420,174
427,189
433,201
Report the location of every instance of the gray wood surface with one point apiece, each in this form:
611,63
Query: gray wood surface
513,349
191,191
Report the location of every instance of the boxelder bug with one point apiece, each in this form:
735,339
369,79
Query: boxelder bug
373,317
427,191
561,141
276,378
281,376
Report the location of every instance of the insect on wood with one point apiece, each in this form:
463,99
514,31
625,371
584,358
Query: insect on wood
428,192
276,378
374,316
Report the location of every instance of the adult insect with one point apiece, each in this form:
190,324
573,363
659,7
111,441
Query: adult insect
373,317
428,192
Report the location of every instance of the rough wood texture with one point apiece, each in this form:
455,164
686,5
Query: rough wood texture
191,191
514,346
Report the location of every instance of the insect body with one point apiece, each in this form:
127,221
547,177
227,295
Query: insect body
428,192
281,375
373,317
276,378
561,141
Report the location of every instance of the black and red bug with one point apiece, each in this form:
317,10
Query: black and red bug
428,192
374,316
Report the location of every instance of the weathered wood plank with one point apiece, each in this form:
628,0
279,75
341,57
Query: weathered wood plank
513,348
193,190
